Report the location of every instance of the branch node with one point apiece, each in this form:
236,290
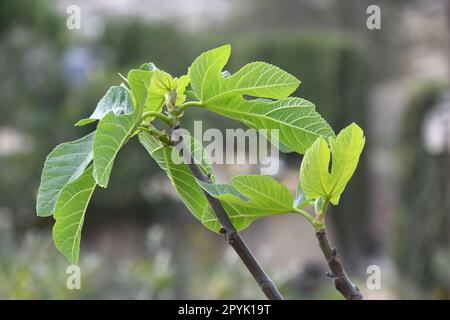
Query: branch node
337,272
231,237
333,252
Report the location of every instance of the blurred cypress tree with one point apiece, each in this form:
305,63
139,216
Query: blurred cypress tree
421,247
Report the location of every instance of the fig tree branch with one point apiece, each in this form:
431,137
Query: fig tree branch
337,272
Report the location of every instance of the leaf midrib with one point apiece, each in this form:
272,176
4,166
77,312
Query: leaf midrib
80,225
121,143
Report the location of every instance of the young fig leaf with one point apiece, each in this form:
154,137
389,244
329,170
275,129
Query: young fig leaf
346,148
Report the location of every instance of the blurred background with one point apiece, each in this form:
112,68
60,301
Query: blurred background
138,240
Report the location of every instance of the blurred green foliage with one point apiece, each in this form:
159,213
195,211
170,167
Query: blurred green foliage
32,270
36,15
163,45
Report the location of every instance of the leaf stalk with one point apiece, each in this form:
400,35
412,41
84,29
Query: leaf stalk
179,110
306,215
168,120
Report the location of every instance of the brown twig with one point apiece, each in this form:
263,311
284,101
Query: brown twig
337,272
228,230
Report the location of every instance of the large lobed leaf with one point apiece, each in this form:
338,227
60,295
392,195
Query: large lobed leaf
69,215
315,178
298,123
64,164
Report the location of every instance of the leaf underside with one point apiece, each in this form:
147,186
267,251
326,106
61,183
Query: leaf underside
112,133
117,100
64,164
